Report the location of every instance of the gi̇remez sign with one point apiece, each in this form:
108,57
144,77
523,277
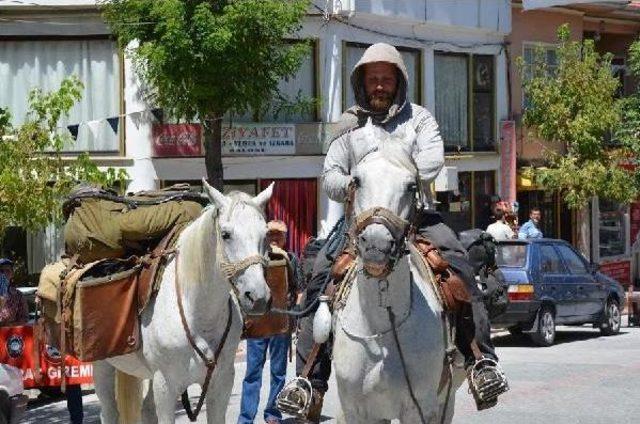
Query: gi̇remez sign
258,139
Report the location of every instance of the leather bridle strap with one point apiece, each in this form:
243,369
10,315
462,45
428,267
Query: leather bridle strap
210,363
380,215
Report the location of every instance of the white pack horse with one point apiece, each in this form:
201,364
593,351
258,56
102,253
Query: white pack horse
219,254
384,374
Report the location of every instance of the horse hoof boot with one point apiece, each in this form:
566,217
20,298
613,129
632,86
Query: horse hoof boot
296,398
486,382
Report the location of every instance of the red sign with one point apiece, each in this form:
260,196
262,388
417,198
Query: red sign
177,140
620,271
508,161
634,212
16,349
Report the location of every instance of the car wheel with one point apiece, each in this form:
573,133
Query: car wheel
545,333
611,319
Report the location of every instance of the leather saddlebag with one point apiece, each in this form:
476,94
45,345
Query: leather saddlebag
105,318
277,276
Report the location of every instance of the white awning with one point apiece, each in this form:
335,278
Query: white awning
538,4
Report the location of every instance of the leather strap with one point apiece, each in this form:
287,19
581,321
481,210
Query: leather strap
210,363
311,359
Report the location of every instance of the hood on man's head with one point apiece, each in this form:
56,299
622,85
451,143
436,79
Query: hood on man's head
380,52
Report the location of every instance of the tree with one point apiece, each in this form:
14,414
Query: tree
34,176
205,58
575,106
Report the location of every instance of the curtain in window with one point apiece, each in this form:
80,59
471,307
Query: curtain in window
44,247
411,60
294,201
452,92
303,83
44,64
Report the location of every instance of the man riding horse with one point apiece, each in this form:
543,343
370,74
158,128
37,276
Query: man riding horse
379,82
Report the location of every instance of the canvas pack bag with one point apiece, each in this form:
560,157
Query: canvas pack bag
102,225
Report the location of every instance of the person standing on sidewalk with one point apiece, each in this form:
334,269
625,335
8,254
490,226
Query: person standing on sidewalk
500,230
531,228
278,347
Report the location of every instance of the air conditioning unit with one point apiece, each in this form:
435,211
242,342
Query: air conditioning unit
447,179
346,8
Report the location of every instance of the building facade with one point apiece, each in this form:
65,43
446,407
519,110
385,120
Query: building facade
605,231
456,59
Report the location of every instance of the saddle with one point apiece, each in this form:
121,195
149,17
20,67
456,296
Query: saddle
453,293
451,289
77,301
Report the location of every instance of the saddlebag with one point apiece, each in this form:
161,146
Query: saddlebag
105,318
98,314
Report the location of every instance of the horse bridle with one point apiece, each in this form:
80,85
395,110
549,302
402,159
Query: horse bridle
399,227
232,270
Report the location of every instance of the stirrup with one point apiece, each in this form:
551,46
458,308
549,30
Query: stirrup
486,382
295,398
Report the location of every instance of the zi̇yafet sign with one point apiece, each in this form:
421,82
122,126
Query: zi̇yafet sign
258,139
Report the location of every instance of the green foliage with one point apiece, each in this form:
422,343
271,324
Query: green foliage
34,176
205,58
575,105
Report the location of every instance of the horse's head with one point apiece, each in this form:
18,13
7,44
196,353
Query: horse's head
241,231
385,184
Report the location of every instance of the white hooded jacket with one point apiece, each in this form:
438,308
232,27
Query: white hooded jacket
408,124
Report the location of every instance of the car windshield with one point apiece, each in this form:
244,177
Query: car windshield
511,255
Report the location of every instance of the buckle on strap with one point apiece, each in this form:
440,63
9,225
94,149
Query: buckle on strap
295,398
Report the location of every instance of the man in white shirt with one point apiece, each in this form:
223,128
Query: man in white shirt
500,230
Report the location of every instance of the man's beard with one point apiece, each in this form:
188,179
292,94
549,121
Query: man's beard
380,102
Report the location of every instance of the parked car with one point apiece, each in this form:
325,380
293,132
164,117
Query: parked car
12,399
550,283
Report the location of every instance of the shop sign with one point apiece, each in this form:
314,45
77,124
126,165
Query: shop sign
634,212
16,349
619,271
259,139
508,161
170,140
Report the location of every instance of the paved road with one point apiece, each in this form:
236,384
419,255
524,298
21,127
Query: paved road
583,379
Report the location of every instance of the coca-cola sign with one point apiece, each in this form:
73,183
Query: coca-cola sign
177,140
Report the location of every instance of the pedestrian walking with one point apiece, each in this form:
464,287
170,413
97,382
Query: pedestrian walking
500,230
531,228
277,346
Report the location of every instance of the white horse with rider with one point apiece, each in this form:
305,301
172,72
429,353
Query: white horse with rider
391,338
191,329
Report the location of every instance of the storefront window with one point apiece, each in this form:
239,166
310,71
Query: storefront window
456,207
484,183
546,201
612,228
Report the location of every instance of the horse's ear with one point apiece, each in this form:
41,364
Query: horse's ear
263,197
214,195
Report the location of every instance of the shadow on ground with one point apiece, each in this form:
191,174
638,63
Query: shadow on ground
562,336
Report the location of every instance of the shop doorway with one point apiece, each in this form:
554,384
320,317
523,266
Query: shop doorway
557,218
294,201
